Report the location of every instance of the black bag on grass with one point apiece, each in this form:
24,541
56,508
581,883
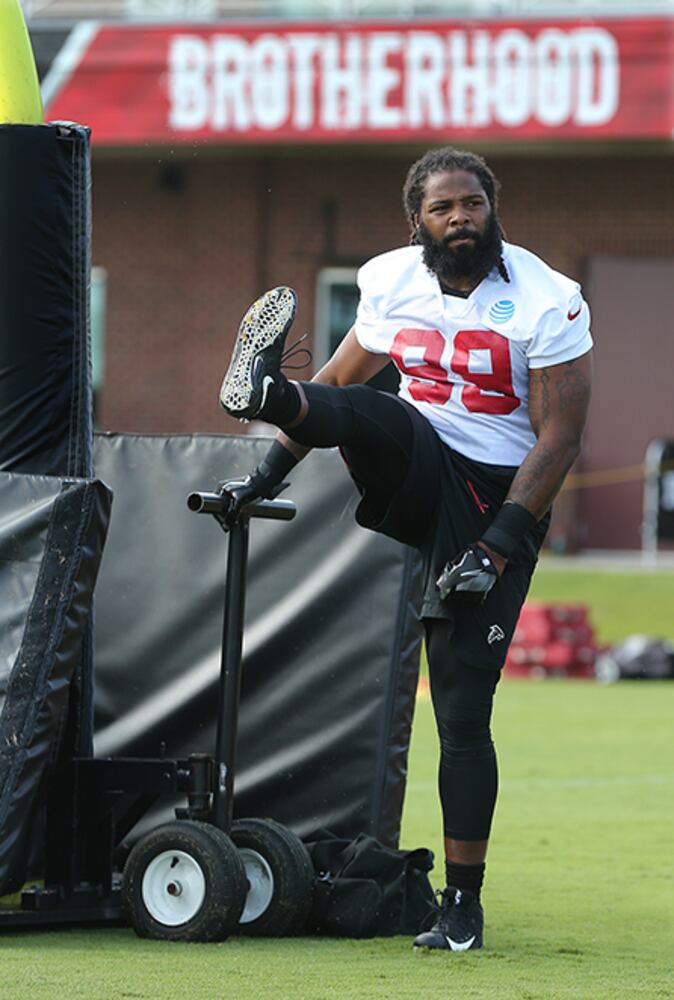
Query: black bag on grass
364,889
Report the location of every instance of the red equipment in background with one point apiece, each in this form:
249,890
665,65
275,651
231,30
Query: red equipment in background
552,640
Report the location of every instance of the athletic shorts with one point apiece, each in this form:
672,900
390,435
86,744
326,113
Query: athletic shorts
445,504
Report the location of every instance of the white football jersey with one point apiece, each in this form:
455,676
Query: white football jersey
464,362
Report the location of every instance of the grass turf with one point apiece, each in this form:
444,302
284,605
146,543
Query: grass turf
621,603
579,896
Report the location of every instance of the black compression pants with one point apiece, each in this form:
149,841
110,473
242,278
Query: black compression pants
373,430
462,698
375,434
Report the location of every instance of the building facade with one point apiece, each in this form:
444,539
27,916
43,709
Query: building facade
231,156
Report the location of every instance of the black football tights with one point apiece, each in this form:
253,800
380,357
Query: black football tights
372,429
462,698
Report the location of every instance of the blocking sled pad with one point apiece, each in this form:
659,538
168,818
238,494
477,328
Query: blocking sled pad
331,643
46,422
52,533
45,379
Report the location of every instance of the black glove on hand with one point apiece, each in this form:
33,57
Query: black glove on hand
468,577
244,491
266,481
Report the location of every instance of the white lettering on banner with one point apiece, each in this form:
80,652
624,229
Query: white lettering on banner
393,81
382,79
304,48
512,78
270,82
553,69
188,93
469,79
424,74
342,85
598,60
231,102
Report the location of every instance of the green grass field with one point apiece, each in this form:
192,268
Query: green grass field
621,603
579,896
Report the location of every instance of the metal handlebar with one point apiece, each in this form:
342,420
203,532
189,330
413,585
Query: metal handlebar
238,529
217,503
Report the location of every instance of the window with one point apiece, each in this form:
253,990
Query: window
336,304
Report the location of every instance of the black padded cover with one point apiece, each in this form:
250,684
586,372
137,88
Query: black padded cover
52,533
46,421
45,380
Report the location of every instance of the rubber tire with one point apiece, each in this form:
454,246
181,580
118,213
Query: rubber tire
292,871
225,882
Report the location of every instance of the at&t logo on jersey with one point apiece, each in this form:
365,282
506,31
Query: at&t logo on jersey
502,311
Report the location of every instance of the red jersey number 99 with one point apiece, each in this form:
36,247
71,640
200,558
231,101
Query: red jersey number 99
488,391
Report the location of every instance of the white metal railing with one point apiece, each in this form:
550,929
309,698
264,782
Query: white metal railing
72,10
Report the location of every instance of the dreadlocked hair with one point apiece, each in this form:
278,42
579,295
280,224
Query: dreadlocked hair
441,160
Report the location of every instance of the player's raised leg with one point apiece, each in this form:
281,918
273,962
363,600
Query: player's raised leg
375,430
313,414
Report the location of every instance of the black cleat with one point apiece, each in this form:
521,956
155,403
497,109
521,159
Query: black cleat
459,926
257,353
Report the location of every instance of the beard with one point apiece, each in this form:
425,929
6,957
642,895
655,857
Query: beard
475,260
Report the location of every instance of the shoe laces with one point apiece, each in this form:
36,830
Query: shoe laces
294,351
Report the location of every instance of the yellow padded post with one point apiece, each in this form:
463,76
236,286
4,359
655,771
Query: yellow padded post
20,101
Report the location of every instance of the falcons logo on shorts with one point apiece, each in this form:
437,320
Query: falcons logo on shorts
495,634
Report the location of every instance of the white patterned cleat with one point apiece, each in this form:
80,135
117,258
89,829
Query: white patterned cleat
257,352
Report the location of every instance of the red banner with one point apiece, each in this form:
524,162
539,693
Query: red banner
368,82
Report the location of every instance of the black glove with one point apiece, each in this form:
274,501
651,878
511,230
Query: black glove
468,577
265,481
244,491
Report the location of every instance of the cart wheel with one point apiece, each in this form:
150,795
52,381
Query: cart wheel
280,877
184,881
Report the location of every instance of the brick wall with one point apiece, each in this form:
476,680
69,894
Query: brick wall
189,245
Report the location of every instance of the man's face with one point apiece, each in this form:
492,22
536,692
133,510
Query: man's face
457,228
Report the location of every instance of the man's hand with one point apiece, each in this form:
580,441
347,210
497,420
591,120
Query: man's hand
240,492
468,577
499,561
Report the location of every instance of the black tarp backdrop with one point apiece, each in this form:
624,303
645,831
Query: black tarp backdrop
52,533
331,645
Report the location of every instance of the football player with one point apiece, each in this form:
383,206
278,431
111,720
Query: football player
493,349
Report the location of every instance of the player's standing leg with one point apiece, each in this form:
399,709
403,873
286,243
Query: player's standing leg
468,781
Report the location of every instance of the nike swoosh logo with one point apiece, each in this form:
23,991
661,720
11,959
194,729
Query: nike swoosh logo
572,316
460,945
266,382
